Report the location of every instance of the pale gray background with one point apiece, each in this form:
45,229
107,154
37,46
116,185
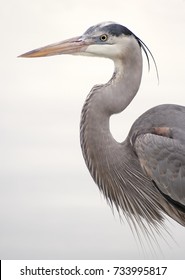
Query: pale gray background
50,208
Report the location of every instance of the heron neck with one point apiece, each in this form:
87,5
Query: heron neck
98,145
115,96
124,84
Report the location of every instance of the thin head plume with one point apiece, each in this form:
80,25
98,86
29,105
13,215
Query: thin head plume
147,51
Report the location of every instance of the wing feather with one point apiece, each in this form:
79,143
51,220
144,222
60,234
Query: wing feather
163,160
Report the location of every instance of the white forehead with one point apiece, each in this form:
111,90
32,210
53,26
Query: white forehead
105,23
98,27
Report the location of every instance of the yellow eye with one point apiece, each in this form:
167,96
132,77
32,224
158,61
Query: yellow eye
104,37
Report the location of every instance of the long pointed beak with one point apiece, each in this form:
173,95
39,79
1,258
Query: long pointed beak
74,45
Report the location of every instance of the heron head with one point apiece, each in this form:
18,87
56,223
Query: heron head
107,39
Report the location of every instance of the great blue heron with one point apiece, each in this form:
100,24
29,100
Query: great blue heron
144,176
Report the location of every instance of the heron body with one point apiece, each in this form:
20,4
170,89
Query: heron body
143,176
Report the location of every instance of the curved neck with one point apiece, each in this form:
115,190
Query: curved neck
124,84
98,146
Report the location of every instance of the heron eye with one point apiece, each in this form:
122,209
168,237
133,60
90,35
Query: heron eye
104,37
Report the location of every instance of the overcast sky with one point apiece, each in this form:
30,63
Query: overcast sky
50,208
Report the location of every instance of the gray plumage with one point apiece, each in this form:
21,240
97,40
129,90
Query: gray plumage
144,176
